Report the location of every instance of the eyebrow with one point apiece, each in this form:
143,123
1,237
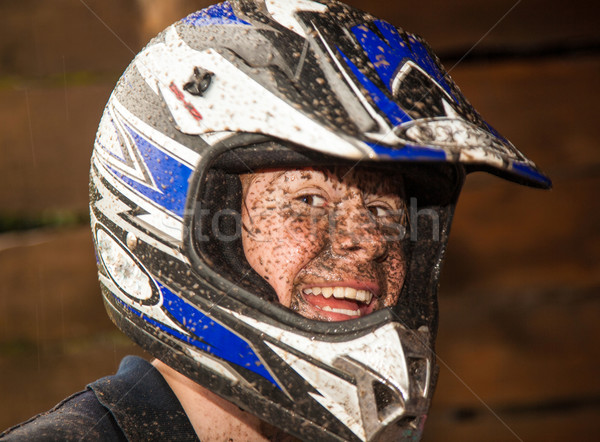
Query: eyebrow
278,175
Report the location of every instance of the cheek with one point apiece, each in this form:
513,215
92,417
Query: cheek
304,230
278,247
395,271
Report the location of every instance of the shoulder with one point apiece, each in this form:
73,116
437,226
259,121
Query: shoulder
142,403
136,403
78,417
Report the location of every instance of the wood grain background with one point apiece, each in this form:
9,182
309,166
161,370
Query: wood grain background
519,301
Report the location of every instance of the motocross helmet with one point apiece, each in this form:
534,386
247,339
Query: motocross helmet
247,85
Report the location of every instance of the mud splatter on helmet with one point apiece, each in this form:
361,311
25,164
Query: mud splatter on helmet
251,84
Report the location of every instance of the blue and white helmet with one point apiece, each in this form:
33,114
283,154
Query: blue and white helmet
250,84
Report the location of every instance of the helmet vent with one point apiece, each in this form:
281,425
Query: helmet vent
199,82
384,397
418,372
418,93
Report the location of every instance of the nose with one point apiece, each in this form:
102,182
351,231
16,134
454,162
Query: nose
354,231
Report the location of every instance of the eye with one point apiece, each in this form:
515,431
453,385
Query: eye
312,200
380,211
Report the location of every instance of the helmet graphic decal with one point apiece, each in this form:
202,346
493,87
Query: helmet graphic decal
208,335
121,157
170,177
417,100
176,60
390,362
391,109
154,303
142,165
285,12
389,50
220,14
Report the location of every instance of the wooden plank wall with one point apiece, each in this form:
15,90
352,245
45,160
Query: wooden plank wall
519,335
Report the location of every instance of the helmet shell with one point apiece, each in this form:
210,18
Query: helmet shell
250,84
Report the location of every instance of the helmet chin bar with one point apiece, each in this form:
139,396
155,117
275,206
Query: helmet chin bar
384,410
378,385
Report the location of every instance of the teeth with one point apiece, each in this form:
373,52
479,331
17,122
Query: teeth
349,293
341,310
363,296
338,292
341,293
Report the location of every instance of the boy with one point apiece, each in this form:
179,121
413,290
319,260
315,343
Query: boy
272,188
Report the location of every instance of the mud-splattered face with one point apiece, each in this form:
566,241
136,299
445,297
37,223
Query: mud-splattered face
328,241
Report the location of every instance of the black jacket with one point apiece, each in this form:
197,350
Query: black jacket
136,404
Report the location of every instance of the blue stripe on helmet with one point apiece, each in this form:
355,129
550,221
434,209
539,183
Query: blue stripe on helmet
525,170
388,55
165,328
391,109
408,153
220,14
219,340
215,338
171,176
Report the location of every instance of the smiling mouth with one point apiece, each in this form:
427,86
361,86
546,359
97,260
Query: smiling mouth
347,301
